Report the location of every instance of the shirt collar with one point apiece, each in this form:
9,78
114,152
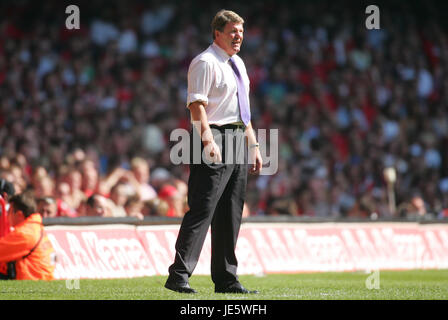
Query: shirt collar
220,52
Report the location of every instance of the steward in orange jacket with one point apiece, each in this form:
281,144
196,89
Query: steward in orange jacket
26,253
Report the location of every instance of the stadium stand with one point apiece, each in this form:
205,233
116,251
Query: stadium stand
77,107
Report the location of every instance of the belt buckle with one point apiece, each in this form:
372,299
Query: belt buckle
239,125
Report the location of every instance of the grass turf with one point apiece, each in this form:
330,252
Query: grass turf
401,285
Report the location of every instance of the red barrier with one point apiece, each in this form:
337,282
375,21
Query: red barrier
349,247
99,252
4,223
126,251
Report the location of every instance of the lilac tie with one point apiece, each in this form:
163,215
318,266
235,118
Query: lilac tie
243,98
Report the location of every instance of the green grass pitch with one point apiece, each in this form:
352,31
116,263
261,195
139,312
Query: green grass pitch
401,285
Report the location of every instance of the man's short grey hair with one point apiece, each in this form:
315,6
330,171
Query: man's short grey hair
222,18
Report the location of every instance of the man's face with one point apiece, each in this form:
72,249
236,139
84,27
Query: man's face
99,208
231,38
47,210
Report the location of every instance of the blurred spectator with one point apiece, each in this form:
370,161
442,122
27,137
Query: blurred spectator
47,207
159,177
416,207
140,169
119,197
63,201
90,178
97,206
74,180
133,207
155,207
182,194
174,200
43,187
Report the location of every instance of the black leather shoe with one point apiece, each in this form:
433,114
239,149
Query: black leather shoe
180,287
235,288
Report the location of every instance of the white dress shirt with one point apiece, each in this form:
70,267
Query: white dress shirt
211,80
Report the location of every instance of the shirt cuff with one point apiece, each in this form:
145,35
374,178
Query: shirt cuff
193,97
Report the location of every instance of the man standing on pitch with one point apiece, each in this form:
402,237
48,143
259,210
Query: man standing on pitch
218,99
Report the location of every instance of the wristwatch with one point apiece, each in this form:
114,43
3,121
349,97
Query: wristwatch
255,145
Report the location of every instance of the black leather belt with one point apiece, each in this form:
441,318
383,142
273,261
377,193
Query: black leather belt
228,126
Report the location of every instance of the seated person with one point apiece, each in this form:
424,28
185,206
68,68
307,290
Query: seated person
97,206
26,253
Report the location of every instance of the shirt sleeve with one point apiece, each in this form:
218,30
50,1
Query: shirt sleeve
200,80
14,246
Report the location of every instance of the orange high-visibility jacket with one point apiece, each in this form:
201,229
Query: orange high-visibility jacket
38,265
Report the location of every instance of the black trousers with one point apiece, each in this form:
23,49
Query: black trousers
216,195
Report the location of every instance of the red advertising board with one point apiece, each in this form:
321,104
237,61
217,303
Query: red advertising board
126,251
348,247
97,252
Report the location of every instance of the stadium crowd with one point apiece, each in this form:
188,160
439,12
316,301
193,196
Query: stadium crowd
86,115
